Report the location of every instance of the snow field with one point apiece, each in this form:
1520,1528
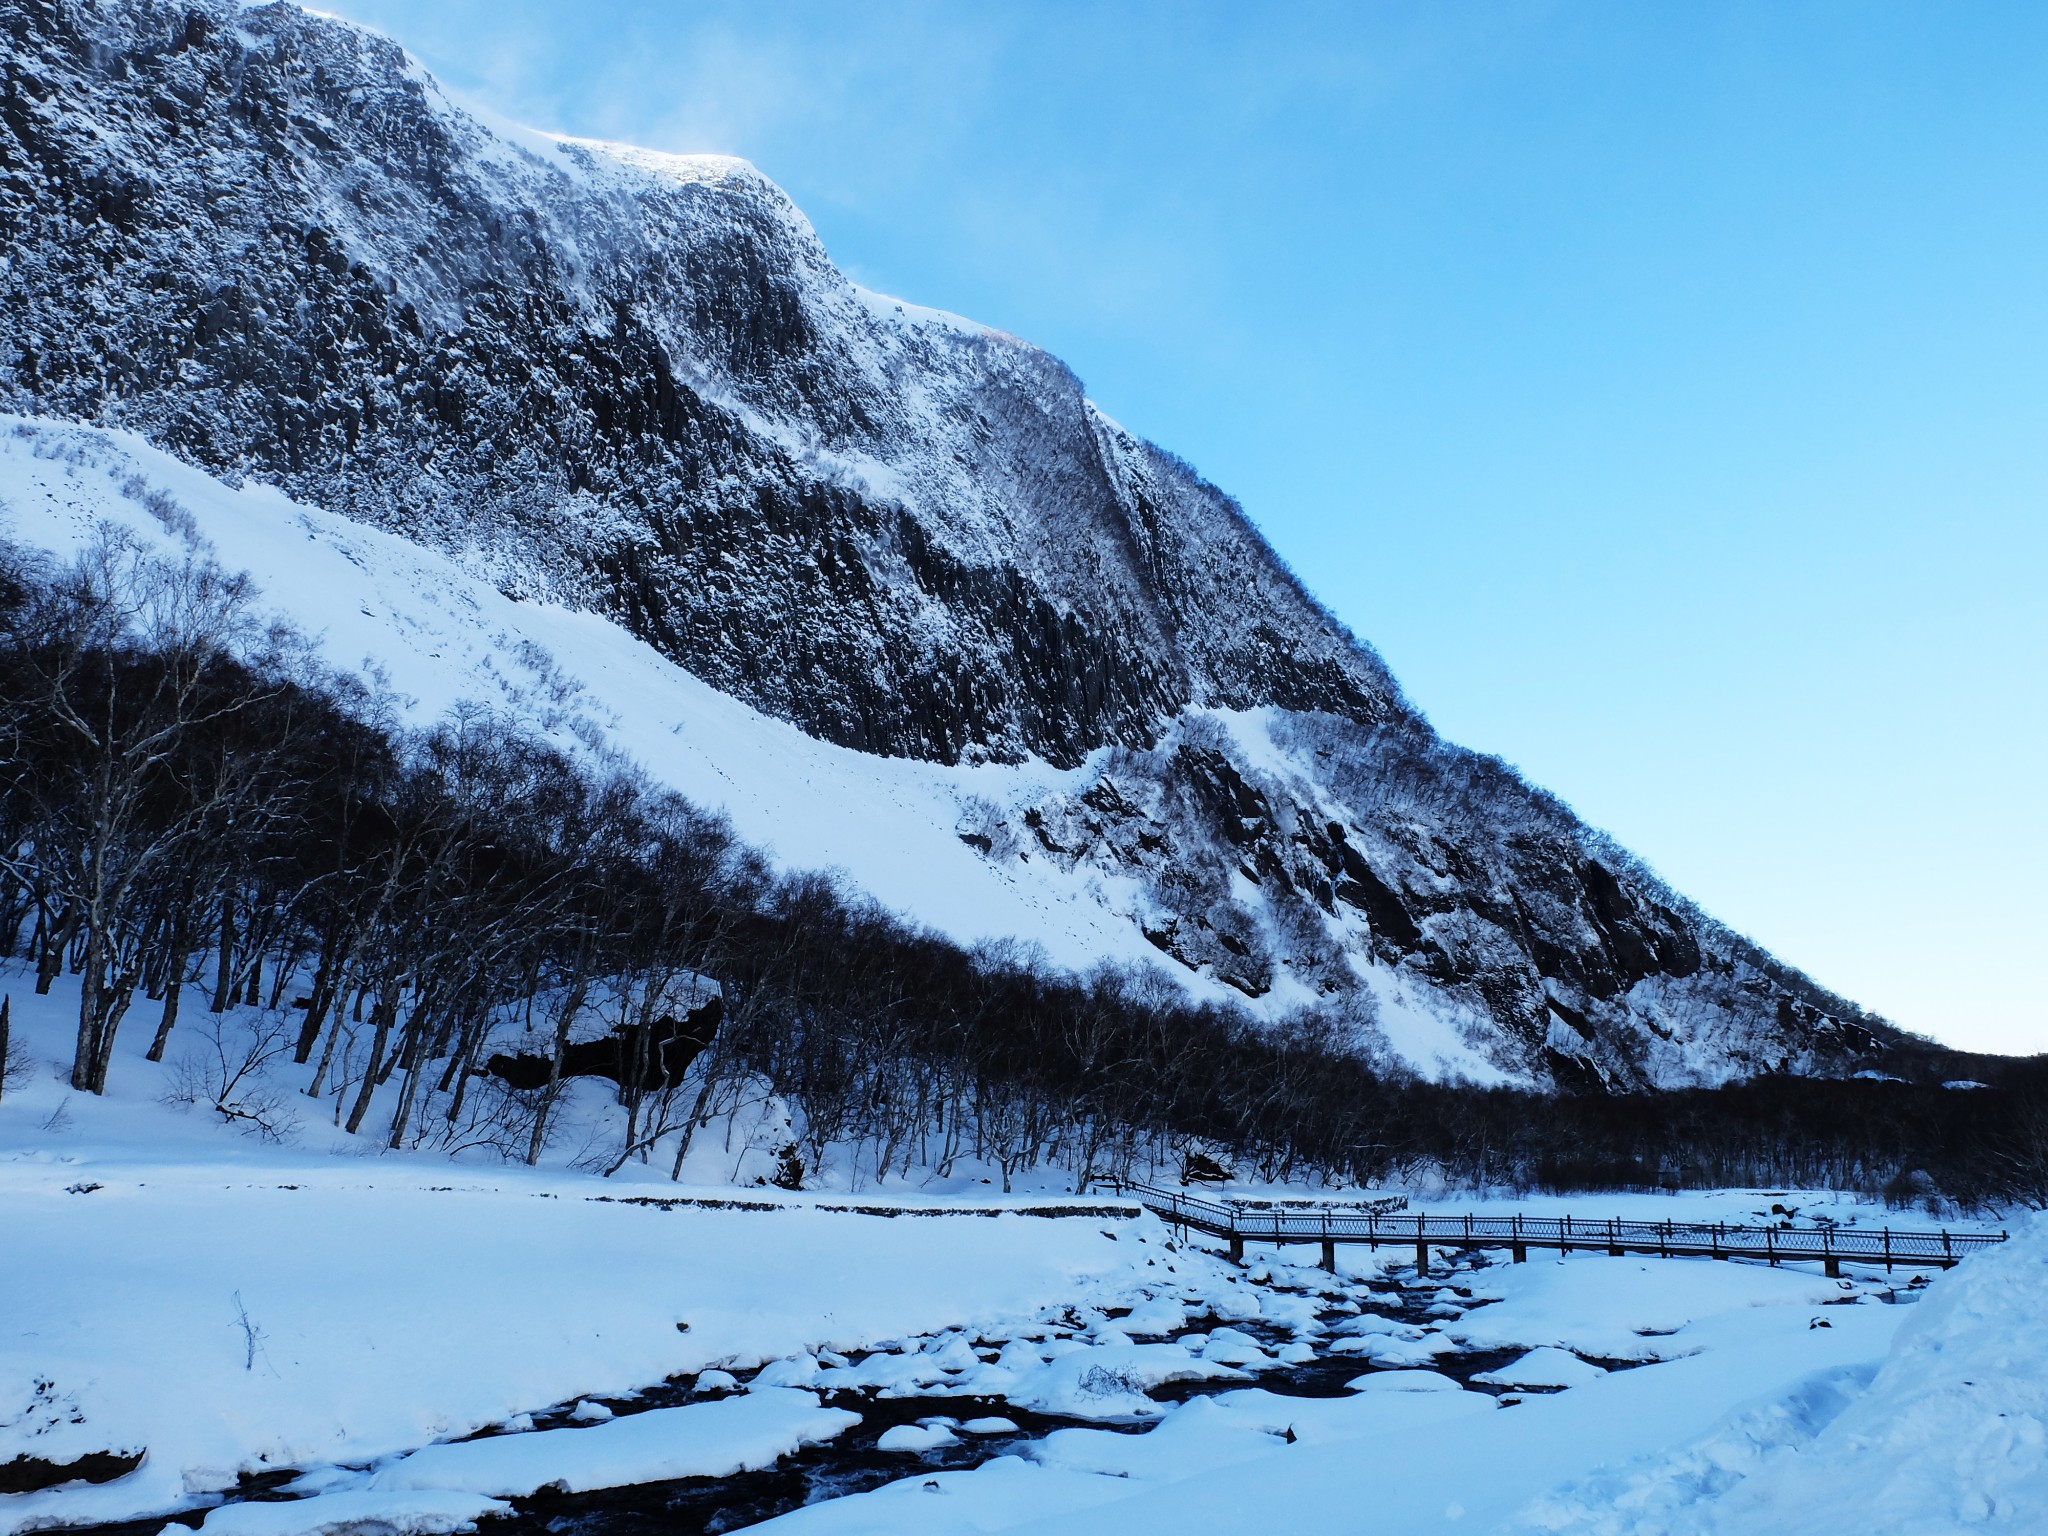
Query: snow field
388,1309
1949,1432
400,1300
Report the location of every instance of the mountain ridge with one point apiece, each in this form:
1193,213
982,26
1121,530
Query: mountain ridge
636,384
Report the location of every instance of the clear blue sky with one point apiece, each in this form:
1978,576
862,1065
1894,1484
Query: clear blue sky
1662,388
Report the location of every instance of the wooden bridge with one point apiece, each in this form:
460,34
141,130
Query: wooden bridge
1829,1245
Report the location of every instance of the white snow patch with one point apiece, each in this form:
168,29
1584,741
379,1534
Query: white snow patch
357,1512
1544,1367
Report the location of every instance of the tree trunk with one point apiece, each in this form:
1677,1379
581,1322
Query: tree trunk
224,978
54,936
462,1064
113,1007
174,985
87,1050
407,1092
333,1034
384,1015
324,973
571,1006
169,1020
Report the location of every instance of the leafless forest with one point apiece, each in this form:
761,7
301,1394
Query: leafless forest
196,819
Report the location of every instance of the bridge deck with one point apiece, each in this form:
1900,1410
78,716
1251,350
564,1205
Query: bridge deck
1831,1246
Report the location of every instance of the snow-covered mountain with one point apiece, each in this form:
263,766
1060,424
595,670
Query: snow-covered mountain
882,582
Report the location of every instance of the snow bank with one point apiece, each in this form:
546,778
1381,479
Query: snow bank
1403,1381
1627,1308
1950,1434
358,1512
716,1439
391,1304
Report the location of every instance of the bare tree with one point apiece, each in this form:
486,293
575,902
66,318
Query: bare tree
123,665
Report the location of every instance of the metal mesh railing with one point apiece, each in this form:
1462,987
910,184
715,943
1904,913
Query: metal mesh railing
1337,1224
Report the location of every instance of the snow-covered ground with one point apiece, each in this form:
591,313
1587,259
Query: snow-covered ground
232,1309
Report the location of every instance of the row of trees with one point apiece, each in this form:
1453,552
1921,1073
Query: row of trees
195,817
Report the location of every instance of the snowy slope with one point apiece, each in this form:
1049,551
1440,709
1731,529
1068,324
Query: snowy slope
627,394
385,607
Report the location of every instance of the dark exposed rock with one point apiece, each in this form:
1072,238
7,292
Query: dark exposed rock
30,1474
260,239
662,1050
1517,913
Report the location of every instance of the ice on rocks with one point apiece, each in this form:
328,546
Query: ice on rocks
1112,1383
1297,1314
1156,1319
796,1371
1373,1322
916,1437
1381,1349
1232,1346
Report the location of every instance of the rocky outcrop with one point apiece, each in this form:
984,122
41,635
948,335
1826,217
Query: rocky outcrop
1293,850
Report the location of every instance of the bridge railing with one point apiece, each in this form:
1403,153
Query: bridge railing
1832,1244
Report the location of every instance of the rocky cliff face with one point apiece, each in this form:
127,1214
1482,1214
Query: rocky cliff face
636,383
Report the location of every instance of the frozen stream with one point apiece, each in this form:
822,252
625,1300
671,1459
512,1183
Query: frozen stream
922,1407
854,1462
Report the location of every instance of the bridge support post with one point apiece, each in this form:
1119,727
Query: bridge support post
1237,1248
1422,1261
1330,1254
1833,1266
1521,1252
